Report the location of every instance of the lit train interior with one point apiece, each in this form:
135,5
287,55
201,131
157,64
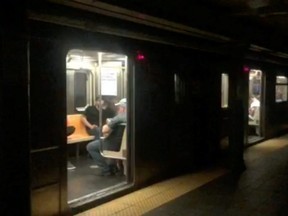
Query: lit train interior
92,74
255,117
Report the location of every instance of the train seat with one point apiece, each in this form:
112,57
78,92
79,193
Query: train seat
80,134
121,154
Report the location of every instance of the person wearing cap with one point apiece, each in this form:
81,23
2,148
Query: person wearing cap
112,133
91,116
119,118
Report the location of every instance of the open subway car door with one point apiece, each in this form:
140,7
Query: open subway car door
255,103
96,97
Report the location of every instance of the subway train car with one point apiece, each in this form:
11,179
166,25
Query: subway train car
194,99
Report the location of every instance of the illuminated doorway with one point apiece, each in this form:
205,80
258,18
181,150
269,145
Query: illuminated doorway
96,81
255,106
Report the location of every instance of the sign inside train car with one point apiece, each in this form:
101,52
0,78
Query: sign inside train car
109,82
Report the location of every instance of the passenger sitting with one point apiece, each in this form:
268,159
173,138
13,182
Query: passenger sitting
254,107
254,114
91,116
112,132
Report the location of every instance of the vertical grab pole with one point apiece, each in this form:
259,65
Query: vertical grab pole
125,77
100,90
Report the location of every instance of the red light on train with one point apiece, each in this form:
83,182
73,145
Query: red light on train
246,69
140,56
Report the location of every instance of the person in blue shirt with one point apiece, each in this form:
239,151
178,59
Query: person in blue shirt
112,136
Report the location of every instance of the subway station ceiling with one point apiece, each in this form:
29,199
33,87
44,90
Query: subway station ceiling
260,22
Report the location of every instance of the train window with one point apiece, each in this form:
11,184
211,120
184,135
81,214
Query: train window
224,90
281,88
179,89
80,89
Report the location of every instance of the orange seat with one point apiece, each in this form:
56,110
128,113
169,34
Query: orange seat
80,134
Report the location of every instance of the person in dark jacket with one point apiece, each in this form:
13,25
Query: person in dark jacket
91,117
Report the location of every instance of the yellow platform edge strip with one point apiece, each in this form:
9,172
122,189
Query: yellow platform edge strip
149,198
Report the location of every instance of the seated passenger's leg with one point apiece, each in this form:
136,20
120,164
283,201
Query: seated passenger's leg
116,166
112,165
94,150
257,130
120,166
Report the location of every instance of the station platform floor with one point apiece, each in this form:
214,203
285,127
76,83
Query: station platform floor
261,189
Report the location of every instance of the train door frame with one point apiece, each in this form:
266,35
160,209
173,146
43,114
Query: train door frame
258,131
129,70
